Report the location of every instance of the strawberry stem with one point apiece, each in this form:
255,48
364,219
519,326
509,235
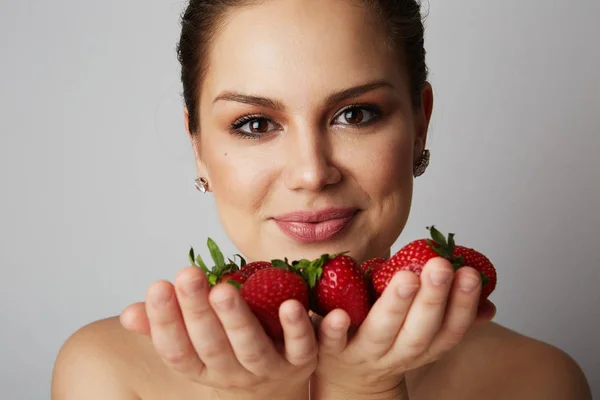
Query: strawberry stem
445,248
312,271
219,269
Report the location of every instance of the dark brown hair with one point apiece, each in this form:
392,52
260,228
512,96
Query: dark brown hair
202,19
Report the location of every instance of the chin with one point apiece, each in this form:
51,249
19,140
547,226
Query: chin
355,247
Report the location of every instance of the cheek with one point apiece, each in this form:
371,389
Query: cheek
385,173
241,182
385,177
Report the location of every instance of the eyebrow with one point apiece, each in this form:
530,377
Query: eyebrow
332,99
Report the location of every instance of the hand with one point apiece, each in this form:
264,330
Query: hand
212,338
412,324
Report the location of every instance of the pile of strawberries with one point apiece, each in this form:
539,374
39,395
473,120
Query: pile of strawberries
334,280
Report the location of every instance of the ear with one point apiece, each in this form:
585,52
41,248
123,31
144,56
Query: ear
195,141
186,119
422,119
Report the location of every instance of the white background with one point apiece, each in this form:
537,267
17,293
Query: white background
96,172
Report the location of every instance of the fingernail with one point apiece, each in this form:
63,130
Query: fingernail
160,297
339,327
224,304
295,314
192,287
467,284
440,276
405,291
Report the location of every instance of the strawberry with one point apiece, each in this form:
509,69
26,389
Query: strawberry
481,263
369,266
417,253
267,289
255,266
236,276
337,282
248,269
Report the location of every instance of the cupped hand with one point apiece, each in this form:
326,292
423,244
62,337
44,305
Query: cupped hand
211,337
413,323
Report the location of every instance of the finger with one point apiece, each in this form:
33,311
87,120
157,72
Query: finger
135,319
251,345
378,332
168,332
461,311
298,334
427,311
333,332
203,326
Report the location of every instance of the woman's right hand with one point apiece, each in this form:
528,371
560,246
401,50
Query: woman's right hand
212,338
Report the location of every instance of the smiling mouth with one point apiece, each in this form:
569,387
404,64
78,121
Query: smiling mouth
308,227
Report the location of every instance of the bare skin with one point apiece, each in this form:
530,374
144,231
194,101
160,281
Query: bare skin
492,362
335,127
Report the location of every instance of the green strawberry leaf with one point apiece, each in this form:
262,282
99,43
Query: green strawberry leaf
212,279
200,263
312,276
457,262
437,236
242,259
196,260
451,243
216,254
484,279
280,264
320,262
440,250
192,256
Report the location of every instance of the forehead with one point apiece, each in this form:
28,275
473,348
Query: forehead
291,49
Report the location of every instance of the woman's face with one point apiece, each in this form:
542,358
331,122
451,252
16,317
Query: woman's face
307,132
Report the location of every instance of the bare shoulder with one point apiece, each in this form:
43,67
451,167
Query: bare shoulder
527,368
101,360
495,362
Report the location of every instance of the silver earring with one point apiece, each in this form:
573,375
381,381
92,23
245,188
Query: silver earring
201,184
422,164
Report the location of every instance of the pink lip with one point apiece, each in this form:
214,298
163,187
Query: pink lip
315,226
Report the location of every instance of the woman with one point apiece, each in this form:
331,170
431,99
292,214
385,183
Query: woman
319,109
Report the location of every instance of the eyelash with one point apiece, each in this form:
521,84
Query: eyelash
236,126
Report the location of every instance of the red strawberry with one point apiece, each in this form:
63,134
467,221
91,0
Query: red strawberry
248,269
267,289
337,282
369,266
481,263
236,276
416,254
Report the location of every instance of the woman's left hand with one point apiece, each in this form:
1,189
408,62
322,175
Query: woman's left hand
412,324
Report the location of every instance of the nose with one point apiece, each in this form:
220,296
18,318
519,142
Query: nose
309,163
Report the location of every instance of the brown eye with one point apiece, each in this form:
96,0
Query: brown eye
254,126
259,125
354,116
357,116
